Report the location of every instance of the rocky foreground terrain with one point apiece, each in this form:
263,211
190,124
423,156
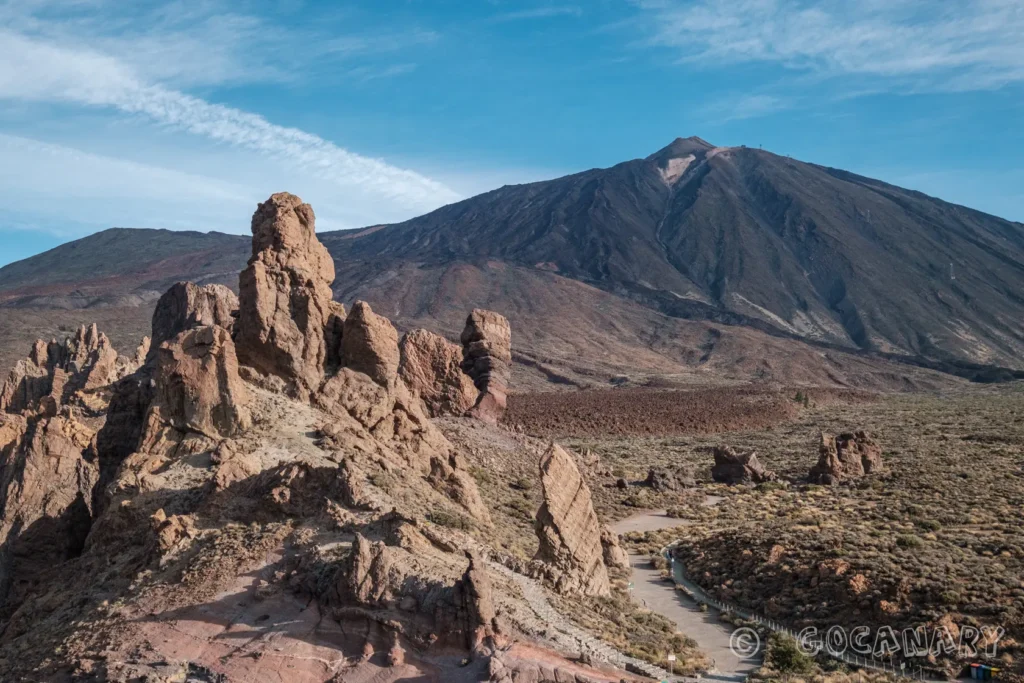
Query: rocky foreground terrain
272,487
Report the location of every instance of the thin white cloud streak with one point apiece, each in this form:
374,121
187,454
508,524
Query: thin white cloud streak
739,107
36,70
539,13
934,46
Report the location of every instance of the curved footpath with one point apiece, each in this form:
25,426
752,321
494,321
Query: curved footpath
706,628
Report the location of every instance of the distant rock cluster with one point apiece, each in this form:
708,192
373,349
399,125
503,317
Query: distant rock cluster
847,456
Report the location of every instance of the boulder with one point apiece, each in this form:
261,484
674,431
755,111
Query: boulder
369,344
285,310
615,556
487,359
662,479
453,610
432,367
847,456
739,468
186,305
197,388
568,528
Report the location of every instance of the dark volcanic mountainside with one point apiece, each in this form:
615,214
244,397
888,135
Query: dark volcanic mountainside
121,266
716,235
741,235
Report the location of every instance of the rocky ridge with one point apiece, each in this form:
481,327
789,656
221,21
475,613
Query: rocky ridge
271,436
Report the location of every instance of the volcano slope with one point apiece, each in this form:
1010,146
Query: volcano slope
744,236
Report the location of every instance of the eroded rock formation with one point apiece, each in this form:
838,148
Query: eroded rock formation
739,468
432,367
285,302
84,362
408,575
197,385
568,528
487,359
847,456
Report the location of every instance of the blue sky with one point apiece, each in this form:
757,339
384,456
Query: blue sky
185,114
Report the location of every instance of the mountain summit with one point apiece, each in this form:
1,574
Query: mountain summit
745,236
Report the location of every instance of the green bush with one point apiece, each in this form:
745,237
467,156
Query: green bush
452,520
909,541
784,655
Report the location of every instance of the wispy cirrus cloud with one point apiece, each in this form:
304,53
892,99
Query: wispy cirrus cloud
92,55
917,43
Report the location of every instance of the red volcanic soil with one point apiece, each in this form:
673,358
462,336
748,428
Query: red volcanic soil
642,412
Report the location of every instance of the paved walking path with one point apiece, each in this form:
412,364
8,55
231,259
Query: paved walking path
658,595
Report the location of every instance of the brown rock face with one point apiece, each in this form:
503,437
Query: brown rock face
847,456
186,305
487,358
431,366
369,344
197,385
568,528
411,578
285,308
46,480
739,468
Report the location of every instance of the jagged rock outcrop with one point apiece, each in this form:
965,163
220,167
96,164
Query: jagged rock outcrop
739,468
487,359
412,578
568,528
449,476
847,456
369,344
47,472
662,479
285,309
84,362
181,308
186,305
197,389
390,421
432,367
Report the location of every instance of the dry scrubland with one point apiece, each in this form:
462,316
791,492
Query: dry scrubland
936,538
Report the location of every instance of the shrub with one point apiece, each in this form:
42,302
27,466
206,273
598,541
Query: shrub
909,541
452,520
785,656
522,484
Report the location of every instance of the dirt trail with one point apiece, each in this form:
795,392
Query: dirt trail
659,595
